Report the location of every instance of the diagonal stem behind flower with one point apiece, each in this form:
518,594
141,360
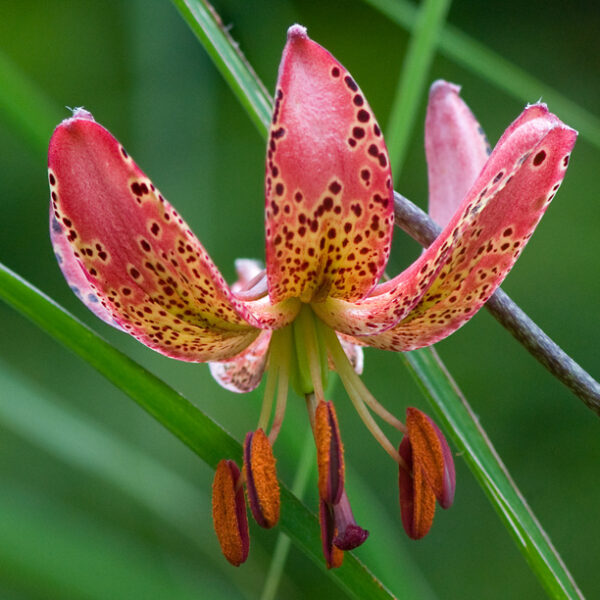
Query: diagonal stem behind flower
419,226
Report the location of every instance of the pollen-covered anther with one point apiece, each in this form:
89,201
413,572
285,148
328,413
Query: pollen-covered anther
229,513
417,500
333,555
430,451
261,479
350,534
330,453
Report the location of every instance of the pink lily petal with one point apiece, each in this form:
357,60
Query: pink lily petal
490,229
149,271
247,270
329,210
354,352
244,372
456,150
74,274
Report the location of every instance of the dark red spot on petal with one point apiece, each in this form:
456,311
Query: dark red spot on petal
363,116
335,187
539,158
351,83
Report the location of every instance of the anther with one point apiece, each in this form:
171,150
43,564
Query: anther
229,513
350,535
261,479
330,453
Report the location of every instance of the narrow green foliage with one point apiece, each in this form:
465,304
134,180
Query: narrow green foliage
177,414
209,29
25,106
454,412
413,81
492,67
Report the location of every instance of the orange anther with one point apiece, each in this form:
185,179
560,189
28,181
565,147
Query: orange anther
417,500
431,452
229,513
261,479
330,453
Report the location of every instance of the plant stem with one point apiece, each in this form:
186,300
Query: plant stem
282,547
412,83
419,226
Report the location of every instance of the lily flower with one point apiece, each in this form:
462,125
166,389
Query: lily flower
132,259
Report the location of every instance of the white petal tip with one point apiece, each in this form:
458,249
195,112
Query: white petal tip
296,32
80,113
440,86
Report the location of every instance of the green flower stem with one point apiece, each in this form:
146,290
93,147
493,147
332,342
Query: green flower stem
418,225
412,83
282,547
177,414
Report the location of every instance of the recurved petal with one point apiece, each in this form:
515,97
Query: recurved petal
244,372
329,209
74,274
150,273
456,150
489,231
354,352
248,271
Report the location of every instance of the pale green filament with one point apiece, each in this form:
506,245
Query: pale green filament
356,391
311,356
285,351
278,349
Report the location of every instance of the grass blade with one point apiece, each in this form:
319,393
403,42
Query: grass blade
26,108
492,67
177,414
460,422
231,63
412,83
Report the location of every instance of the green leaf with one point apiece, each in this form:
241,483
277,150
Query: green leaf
492,67
453,410
195,429
47,550
413,80
208,28
26,108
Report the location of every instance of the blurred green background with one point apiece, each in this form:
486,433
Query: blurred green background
96,499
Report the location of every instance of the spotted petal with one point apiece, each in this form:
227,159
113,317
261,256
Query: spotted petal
243,373
150,273
494,223
74,274
329,211
456,150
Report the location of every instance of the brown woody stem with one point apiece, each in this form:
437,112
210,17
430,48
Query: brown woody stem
419,226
